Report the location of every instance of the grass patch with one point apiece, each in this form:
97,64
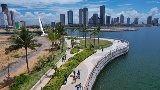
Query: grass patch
74,50
37,74
102,43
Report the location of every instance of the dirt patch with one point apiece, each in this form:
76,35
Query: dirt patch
23,69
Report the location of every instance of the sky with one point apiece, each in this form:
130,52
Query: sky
50,10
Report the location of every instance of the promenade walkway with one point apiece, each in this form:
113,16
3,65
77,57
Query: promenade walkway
88,64
52,71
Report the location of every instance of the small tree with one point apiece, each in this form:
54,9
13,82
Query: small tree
22,39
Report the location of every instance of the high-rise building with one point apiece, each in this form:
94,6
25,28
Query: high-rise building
70,16
95,19
136,20
3,19
155,21
10,14
102,15
149,20
85,16
22,24
81,16
128,20
121,18
62,19
4,7
117,20
112,21
108,20
53,24
12,18
91,21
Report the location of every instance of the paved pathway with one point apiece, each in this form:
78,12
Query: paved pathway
46,79
14,67
87,65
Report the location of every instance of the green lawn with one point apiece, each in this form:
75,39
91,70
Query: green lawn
102,43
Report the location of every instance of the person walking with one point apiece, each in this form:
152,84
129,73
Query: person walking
78,74
65,78
62,58
74,72
79,87
74,79
102,49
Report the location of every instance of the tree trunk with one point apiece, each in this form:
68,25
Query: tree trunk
98,38
27,59
85,40
94,40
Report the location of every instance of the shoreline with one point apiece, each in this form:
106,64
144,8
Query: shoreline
91,67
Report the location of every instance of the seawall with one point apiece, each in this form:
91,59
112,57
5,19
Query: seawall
91,66
103,61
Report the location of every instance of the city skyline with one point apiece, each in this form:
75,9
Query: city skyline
50,10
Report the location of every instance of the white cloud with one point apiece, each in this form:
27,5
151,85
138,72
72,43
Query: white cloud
40,2
124,5
154,11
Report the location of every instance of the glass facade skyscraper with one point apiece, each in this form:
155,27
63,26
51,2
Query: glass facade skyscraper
102,15
70,16
62,19
121,18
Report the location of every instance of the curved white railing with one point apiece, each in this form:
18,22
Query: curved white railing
108,57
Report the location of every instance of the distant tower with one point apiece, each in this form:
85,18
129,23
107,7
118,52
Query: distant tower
128,20
102,15
155,21
136,20
95,19
10,14
4,7
149,20
80,16
3,19
85,16
117,20
108,20
121,18
70,16
62,19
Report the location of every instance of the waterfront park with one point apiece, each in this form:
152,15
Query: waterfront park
44,61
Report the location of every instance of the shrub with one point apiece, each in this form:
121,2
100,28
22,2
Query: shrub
74,50
19,80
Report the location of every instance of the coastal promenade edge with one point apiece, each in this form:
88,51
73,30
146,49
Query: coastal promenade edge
91,66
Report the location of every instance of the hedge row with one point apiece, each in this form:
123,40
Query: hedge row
73,62
74,50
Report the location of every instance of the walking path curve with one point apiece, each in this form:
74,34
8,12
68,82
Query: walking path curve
88,65
45,79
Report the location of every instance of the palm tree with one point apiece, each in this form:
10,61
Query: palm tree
73,30
98,30
60,30
22,39
84,30
94,33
